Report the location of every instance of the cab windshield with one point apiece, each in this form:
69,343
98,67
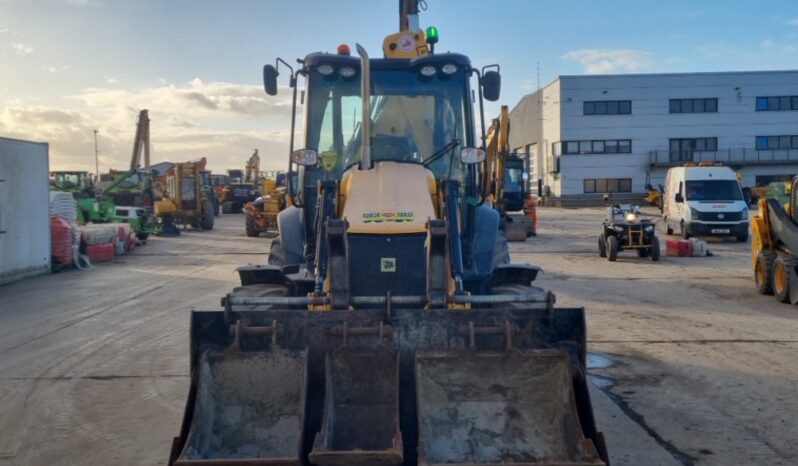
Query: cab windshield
413,119
714,190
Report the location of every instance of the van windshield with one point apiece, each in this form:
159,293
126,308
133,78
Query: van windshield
713,190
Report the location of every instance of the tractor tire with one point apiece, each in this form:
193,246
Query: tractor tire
251,226
276,254
612,248
763,272
781,277
655,250
260,291
227,207
602,246
501,251
206,219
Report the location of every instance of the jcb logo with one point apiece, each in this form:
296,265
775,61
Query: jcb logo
388,264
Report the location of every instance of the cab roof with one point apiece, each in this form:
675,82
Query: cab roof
318,58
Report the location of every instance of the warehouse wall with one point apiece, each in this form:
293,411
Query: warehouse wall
24,209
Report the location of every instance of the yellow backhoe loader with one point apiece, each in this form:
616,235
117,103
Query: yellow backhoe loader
183,201
390,327
774,247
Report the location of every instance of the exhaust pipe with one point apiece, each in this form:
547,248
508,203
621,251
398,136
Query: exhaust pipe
365,94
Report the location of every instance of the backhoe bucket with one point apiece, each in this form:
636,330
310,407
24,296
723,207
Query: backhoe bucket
497,408
248,409
361,410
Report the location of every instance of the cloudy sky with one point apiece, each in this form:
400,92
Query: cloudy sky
72,66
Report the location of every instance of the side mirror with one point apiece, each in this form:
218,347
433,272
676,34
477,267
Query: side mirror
270,79
678,198
305,157
491,83
470,155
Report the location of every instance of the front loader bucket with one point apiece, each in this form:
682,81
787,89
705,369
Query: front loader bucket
500,407
361,410
388,387
248,409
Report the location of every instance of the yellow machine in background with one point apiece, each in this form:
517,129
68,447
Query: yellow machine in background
261,214
504,173
183,201
774,247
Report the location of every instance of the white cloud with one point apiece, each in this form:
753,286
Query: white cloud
793,21
3,30
222,121
768,44
21,49
50,69
597,61
111,80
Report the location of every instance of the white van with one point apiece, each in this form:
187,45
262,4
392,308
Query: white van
704,201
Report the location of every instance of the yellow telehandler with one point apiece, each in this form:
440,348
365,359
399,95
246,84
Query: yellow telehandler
390,327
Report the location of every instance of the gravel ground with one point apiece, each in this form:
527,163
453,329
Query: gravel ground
689,364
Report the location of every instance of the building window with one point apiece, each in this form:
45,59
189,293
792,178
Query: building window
681,150
777,103
612,146
693,105
607,107
607,185
776,142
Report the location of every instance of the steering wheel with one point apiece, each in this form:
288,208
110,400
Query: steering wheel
391,148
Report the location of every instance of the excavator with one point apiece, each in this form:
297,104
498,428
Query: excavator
260,215
389,326
774,246
504,171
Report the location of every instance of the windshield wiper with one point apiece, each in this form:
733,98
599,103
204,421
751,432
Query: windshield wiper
442,151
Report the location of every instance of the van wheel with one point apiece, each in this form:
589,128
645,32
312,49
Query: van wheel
742,238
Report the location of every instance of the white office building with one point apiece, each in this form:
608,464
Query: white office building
589,135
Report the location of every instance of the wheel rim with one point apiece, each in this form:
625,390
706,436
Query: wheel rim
780,279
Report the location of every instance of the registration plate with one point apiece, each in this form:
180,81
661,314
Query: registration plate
720,231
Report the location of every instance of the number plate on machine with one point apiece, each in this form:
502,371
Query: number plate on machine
720,231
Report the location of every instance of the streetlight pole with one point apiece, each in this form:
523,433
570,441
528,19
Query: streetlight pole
96,157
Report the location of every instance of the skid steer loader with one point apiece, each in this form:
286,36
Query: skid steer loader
390,327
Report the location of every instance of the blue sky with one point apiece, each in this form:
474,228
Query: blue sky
73,65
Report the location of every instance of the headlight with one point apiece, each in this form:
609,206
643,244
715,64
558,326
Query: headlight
649,228
428,71
347,72
326,70
449,68
619,229
693,213
630,217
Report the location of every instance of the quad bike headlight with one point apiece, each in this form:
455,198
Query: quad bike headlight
631,217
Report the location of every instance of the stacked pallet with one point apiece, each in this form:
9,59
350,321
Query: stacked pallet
64,230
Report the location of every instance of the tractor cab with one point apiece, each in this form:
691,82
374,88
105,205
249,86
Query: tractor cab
79,183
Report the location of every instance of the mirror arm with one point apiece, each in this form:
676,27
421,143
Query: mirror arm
290,180
484,188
